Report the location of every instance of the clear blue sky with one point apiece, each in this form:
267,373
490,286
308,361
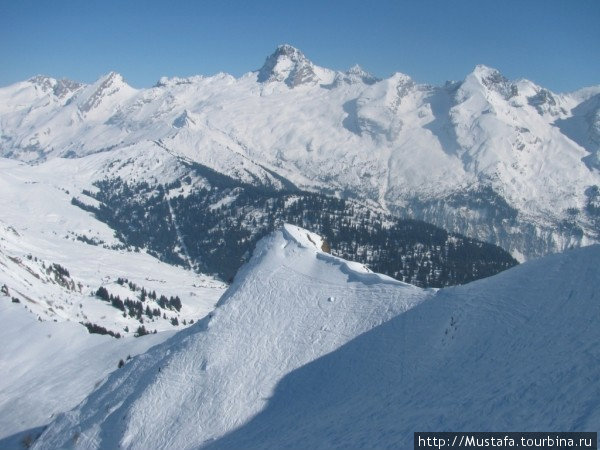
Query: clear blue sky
554,43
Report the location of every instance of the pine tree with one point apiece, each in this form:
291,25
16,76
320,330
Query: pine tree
102,293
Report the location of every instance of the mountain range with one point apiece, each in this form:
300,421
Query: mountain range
199,263
507,162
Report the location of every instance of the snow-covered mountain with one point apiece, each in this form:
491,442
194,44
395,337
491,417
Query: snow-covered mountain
122,209
291,304
308,350
504,161
54,257
513,351
54,260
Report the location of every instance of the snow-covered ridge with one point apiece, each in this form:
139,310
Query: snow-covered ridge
408,147
513,350
284,309
298,340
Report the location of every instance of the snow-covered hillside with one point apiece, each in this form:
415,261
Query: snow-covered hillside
517,351
49,367
54,257
308,350
504,161
291,304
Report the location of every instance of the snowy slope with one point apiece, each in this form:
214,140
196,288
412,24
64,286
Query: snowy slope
433,153
47,368
42,233
517,351
310,351
53,258
290,305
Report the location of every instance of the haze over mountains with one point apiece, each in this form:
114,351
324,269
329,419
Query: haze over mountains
508,162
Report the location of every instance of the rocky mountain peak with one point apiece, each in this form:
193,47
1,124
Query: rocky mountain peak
287,64
492,80
357,73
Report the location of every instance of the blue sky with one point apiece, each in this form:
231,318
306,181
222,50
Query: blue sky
554,43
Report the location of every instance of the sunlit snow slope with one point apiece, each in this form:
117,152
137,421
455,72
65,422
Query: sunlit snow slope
291,304
310,351
54,255
49,367
53,258
517,351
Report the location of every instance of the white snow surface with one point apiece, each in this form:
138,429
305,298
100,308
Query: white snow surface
306,350
387,141
39,227
517,351
48,360
49,367
289,305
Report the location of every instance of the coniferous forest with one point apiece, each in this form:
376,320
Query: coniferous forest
213,229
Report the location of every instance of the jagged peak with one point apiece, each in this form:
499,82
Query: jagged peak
356,72
64,86
491,79
107,85
59,87
111,77
487,75
287,64
284,52
401,78
42,80
482,71
289,50
356,69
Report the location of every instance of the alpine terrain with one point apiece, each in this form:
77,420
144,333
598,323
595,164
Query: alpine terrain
296,258
506,162
75,302
306,350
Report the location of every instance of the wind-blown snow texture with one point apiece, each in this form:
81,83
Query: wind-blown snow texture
291,304
48,367
517,351
307,350
504,161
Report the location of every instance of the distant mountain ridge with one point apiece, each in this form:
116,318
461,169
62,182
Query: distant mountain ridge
504,161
